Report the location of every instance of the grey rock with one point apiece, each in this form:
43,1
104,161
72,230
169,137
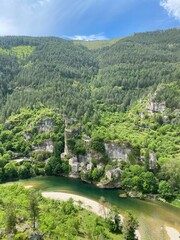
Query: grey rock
45,126
154,107
75,167
152,160
116,152
113,174
47,145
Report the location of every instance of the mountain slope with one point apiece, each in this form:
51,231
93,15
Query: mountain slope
122,95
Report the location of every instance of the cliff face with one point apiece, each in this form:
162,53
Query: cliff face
93,164
45,125
116,152
154,107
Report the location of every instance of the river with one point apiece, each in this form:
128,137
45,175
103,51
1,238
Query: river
152,215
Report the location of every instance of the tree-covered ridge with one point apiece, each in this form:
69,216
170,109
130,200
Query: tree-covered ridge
79,81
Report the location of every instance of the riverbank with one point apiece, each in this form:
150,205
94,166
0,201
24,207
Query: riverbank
85,203
152,215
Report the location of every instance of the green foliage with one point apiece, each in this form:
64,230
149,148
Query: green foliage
24,170
10,218
10,171
46,218
102,87
170,171
79,148
53,167
66,168
165,189
34,207
114,221
97,173
131,225
135,178
21,134
97,144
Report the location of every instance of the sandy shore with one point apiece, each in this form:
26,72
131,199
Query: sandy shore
85,203
172,233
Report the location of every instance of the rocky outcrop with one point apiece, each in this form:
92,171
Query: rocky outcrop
152,160
113,174
111,179
75,165
89,156
82,163
47,146
116,152
154,107
45,126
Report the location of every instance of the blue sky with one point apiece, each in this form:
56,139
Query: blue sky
87,19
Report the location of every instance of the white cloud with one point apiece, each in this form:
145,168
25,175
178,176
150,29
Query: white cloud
92,37
172,7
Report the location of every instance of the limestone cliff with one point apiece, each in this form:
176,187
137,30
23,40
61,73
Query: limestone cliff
117,152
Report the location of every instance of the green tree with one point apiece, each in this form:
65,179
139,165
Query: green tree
10,218
130,226
170,171
149,182
34,207
113,220
11,171
165,189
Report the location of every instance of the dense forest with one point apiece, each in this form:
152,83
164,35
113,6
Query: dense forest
125,91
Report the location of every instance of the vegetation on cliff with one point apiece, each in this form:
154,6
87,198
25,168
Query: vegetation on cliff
125,91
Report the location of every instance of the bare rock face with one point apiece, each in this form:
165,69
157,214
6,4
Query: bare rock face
89,156
113,174
154,107
152,160
47,146
116,152
89,166
45,126
75,167
111,179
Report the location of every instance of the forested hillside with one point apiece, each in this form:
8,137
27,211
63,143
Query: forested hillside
124,92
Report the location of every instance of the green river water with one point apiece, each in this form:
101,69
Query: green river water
152,215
